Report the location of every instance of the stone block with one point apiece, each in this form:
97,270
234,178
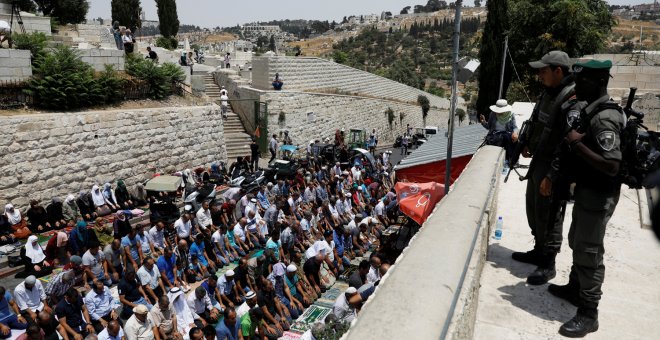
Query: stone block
20,54
106,53
4,53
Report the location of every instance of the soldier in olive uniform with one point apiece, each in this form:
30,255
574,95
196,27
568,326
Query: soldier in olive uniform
595,159
545,209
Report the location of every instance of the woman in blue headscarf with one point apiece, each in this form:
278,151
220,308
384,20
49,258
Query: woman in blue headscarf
80,238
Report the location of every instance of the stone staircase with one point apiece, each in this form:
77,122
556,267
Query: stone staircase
237,141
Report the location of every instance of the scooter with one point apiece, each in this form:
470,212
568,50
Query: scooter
194,201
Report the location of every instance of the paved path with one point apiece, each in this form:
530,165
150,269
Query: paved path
511,309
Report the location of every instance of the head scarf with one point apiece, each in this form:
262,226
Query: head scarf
69,199
34,252
15,217
187,174
139,192
81,230
121,216
504,117
56,200
184,315
215,168
97,196
121,184
108,193
61,238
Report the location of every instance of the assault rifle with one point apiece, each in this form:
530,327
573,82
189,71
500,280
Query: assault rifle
523,141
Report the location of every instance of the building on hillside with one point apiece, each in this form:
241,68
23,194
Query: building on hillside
254,30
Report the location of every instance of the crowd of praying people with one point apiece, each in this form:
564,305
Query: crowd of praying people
291,240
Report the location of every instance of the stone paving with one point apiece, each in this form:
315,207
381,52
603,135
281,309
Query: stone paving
509,308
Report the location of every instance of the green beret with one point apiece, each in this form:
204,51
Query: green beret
592,65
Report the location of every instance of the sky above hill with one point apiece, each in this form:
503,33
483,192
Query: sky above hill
212,13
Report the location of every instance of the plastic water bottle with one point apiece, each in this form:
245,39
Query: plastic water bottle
498,228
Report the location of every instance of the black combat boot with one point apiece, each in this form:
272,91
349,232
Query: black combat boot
533,256
583,323
545,271
569,292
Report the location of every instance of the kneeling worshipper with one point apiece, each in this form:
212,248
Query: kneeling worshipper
185,317
56,213
38,218
165,319
110,198
123,196
33,258
17,223
101,205
58,251
70,210
80,238
86,206
104,233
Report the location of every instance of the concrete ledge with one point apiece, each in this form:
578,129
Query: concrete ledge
432,291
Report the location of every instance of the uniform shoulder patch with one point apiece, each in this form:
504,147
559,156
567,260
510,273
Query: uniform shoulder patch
606,140
572,116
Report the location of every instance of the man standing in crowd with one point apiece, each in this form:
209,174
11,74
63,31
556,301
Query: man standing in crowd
272,147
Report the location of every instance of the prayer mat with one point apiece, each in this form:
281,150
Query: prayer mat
288,335
226,268
313,314
52,275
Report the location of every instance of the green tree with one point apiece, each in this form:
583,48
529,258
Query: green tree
477,3
71,11
490,55
46,6
423,101
127,13
168,19
27,6
405,10
339,57
577,27
460,113
271,43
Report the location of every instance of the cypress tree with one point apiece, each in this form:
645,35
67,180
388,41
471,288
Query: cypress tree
127,12
168,18
490,55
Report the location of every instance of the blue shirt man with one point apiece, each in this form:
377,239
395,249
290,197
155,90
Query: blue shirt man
228,327
126,241
167,264
263,200
197,250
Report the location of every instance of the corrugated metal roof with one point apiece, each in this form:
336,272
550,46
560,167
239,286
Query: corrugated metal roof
466,141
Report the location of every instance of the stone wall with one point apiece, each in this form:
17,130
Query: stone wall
31,22
331,112
99,58
632,70
46,155
319,75
15,64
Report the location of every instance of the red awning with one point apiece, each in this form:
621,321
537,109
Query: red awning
433,172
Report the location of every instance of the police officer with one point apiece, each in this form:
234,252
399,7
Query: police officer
596,156
545,210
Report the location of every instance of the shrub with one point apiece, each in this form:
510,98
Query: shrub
167,43
423,101
62,81
111,84
390,116
159,78
35,42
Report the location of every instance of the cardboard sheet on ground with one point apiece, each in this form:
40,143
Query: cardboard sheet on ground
417,200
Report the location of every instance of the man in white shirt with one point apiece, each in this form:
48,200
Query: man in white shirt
249,303
379,210
344,311
157,236
31,298
149,277
183,228
255,226
139,326
272,147
240,234
204,216
200,304
224,105
95,265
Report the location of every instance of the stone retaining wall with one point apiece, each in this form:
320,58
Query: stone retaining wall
99,58
46,155
15,64
31,22
319,75
331,112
